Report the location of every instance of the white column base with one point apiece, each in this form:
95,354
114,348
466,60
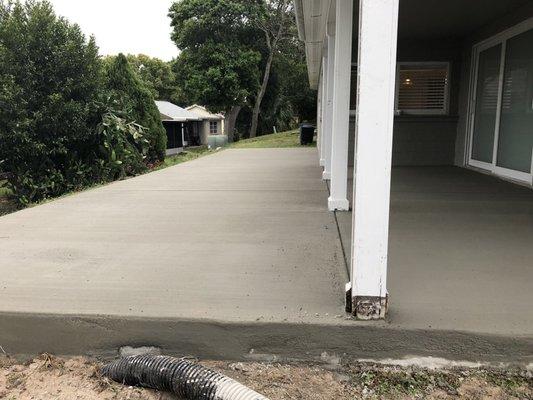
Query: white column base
338,204
322,162
326,176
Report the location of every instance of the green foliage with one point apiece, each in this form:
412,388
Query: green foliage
122,148
157,76
49,79
127,92
61,130
219,62
219,76
224,53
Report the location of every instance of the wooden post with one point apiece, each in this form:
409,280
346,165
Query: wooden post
338,199
378,31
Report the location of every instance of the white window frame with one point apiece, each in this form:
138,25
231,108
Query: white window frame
215,124
437,64
426,64
500,38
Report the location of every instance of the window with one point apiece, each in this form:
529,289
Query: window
213,127
422,88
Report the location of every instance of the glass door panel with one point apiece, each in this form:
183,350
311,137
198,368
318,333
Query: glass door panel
486,104
515,140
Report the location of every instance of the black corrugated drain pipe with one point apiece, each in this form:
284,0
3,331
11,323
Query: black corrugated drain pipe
181,377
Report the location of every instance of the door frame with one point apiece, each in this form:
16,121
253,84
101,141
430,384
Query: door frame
500,38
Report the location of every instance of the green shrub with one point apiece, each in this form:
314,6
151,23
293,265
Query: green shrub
122,148
64,125
127,92
49,79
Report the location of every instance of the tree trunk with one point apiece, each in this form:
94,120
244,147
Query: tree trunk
231,119
261,94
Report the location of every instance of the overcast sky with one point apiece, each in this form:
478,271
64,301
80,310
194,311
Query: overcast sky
127,26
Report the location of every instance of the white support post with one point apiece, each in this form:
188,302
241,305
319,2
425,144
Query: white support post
378,32
324,102
338,199
326,175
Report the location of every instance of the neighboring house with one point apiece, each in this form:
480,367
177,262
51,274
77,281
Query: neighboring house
213,124
416,83
182,126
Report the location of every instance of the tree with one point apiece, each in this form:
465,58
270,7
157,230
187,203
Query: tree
127,92
49,80
157,76
219,61
274,19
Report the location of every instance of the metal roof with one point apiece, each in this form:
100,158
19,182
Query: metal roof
203,113
171,112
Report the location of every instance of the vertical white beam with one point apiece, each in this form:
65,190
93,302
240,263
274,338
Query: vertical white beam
324,101
378,31
329,105
338,199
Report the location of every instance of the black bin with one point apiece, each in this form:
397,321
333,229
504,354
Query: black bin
307,133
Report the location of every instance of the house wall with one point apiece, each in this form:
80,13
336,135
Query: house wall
425,140
505,22
205,131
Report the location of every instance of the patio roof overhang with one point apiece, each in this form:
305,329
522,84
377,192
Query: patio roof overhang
418,19
312,17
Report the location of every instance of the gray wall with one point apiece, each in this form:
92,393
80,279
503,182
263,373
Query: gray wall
419,141
426,140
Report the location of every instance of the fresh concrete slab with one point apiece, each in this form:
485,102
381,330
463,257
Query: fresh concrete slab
241,235
460,252
235,256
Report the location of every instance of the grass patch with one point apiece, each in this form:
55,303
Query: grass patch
275,140
6,204
188,155
4,191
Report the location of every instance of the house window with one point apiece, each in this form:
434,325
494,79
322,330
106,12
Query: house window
213,127
422,88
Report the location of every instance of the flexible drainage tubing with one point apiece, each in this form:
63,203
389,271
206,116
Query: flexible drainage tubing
181,377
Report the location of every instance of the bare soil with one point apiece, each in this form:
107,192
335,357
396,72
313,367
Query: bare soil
48,377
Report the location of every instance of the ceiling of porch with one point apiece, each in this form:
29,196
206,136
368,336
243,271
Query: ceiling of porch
427,19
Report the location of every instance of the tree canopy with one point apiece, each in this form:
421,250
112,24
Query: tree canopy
128,92
219,65
157,76
234,53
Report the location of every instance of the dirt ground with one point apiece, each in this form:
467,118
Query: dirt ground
48,377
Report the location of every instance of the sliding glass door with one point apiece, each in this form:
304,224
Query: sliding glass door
486,104
502,106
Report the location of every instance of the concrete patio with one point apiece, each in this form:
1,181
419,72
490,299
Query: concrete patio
236,256
460,254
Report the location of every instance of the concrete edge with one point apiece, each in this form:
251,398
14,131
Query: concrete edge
26,335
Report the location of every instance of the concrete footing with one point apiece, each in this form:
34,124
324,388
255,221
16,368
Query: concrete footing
369,307
26,335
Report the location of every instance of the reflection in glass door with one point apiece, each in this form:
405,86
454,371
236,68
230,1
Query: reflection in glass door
486,104
515,142
502,106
